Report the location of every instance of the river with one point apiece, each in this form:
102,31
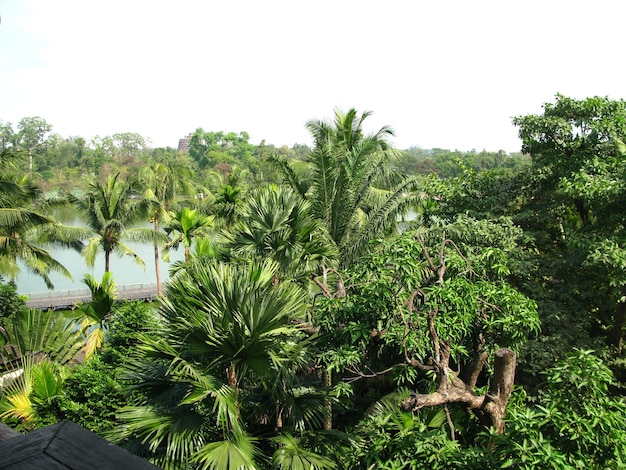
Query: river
125,269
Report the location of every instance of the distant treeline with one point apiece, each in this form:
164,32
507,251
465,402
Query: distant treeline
62,162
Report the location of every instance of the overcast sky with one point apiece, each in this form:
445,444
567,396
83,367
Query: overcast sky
448,74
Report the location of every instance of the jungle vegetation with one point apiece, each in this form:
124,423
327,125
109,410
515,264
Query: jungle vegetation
344,305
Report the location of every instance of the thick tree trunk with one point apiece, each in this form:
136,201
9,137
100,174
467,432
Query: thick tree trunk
500,387
489,408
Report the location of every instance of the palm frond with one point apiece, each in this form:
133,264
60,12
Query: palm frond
291,455
231,454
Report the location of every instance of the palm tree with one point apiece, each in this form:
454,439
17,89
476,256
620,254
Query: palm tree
229,190
24,231
229,333
351,190
227,206
29,397
34,332
98,311
187,224
163,187
276,224
110,215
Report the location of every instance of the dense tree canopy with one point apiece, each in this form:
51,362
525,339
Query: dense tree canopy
348,305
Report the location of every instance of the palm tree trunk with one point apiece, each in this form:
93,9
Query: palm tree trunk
157,265
107,259
231,376
328,419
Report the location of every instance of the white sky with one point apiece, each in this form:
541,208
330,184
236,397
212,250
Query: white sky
447,74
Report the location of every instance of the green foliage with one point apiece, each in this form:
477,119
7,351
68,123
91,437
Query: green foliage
24,230
574,194
10,301
96,312
129,321
186,224
210,149
30,398
223,376
110,214
32,331
393,439
450,164
276,224
348,184
92,395
384,316
575,423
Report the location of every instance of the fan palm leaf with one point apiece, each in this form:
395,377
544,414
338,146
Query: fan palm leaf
34,331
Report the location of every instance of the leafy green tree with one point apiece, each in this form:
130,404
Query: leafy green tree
91,395
32,133
433,303
110,214
574,423
209,379
209,149
388,437
348,184
575,191
93,391
10,301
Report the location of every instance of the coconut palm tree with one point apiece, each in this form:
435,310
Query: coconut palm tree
350,188
229,333
111,215
24,230
163,185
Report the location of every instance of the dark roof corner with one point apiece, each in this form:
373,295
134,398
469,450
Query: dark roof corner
62,446
7,432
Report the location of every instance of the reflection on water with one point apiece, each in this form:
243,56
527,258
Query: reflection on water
125,270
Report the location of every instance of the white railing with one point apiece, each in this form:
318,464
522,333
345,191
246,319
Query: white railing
55,298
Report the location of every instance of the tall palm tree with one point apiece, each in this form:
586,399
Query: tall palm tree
163,185
228,334
351,189
110,214
187,225
276,224
24,230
